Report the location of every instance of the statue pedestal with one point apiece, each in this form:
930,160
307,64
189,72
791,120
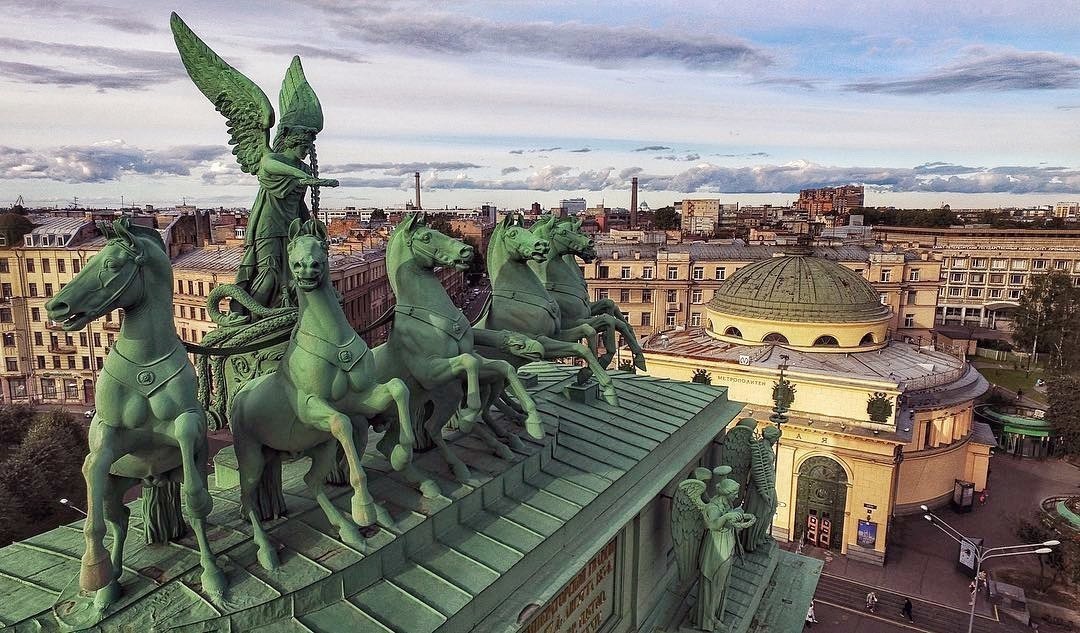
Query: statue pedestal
588,392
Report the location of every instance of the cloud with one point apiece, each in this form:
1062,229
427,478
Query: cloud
305,51
1069,107
398,169
572,42
121,19
583,150
510,170
104,161
652,148
140,68
538,150
690,157
748,155
980,70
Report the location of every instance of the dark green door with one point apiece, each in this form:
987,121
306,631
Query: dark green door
820,499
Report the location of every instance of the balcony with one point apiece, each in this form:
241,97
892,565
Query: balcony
62,349
113,326
674,306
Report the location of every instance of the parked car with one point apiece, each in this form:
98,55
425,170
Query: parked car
89,413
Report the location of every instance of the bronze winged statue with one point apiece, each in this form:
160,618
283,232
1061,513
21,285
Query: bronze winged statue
688,525
280,168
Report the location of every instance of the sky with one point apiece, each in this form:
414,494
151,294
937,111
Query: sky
975,104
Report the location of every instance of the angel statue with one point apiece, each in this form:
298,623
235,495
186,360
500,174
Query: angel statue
761,496
280,168
705,539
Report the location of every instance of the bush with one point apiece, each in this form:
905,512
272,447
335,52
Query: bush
15,420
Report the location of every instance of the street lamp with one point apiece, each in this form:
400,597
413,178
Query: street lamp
984,553
67,503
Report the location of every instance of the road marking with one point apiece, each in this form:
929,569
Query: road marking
874,615
996,617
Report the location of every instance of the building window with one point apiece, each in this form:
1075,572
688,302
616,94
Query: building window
886,275
75,265
909,320
38,339
48,388
999,264
48,290
1019,264
647,272
646,295
4,265
695,295
958,262
955,291
602,272
672,296
978,262
1039,264
602,294
884,299
698,272
5,315
30,266
201,289
733,331
775,337
1014,294
33,289
61,266
977,278
86,362
670,320
624,272
39,362
913,274
100,362
1061,264
826,341
909,297
1016,280
9,339
672,272
721,273
695,319
18,387
11,364
71,362
624,297
71,386
975,292
646,318
5,290
995,293
997,278
957,277
35,314
970,313
46,265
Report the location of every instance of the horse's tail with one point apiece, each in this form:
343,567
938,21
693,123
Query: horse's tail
269,498
163,520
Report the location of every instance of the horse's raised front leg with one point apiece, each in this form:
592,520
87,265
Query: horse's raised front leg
561,349
578,332
439,371
624,328
317,413
505,372
96,570
191,436
378,400
116,517
606,306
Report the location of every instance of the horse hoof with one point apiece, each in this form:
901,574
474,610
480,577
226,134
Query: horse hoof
430,489
95,574
401,456
639,361
383,518
605,360
534,427
268,558
610,397
362,512
467,419
108,595
503,451
214,583
351,536
461,472
516,443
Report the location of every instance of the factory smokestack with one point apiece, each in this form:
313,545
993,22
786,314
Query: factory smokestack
633,202
416,174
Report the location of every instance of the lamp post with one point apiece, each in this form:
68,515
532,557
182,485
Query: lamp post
783,395
984,553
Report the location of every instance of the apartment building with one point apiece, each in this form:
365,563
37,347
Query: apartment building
699,217
830,200
984,271
665,287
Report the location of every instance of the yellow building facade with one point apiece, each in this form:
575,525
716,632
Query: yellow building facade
876,428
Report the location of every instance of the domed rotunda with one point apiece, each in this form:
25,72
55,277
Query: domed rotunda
801,302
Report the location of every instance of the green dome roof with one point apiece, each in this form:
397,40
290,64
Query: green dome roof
799,288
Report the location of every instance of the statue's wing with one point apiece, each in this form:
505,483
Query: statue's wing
247,111
687,525
761,468
737,453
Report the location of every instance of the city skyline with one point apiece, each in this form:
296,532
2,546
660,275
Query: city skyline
497,102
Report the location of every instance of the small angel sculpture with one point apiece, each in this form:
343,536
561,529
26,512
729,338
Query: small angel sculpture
280,168
705,540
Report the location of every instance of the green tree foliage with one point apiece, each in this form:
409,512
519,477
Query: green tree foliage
377,216
666,218
1063,394
1063,563
932,218
1048,319
45,466
15,420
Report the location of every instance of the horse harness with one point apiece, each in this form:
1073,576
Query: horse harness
344,356
456,326
145,378
566,289
544,301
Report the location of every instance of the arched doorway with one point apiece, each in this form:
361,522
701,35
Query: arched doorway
820,502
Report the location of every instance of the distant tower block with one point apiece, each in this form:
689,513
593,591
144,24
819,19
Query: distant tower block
633,202
416,175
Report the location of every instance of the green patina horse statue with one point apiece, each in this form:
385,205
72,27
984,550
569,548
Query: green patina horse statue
520,303
431,344
149,423
563,279
322,394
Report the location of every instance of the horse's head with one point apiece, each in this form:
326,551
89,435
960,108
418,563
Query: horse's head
429,247
566,238
113,278
308,254
518,242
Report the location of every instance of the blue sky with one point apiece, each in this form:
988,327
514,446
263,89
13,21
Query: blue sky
511,102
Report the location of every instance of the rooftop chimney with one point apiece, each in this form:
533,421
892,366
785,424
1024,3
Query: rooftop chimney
416,175
633,202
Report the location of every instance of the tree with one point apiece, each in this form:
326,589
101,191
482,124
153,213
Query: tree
15,420
1063,394
378,216
666,218
1063,560
1046,319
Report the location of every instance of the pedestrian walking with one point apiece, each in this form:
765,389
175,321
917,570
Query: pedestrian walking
906,610
871,602
811,619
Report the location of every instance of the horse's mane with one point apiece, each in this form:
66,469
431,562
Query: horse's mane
150,234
